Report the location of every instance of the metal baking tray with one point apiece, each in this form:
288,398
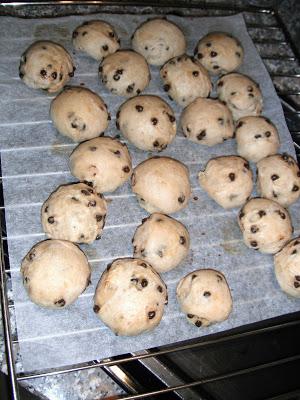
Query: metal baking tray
169,371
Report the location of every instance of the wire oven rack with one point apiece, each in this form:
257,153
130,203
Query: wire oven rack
267,31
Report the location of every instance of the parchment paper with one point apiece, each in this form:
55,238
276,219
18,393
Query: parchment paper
35,161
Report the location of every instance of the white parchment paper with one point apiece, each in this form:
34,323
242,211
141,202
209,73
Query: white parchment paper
35,161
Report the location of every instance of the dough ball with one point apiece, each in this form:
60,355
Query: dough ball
79,114
227,180
55,273
266,226
130,297
185,79
104,162
46,65
96,38
125,73
162,241
256,138
74,212
158,40
204,296
219,53
148,122
278,178
207,121
241,95
161,184
287,268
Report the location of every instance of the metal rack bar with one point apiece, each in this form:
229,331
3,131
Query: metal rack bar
6,304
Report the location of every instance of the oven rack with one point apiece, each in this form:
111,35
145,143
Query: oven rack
267,31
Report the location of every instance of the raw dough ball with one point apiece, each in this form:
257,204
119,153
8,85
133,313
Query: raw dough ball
74,212
79,114
207,121
256,138
148,122
158,40
278,178
185,79
55,273
227,180
219,53
103,161
204,296
161,184
96,38
287,268
241,95
265,224
46,65
162,241
130,297
125,73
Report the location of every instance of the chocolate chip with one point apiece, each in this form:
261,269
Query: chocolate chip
151,314
253,243
111,34
257,136
92,203
54,75
199,56
213,54
100,68
268,134
160,253
232,93
46,209
220,83
105,47
261,213
31,256
171,118
295,188
194,276
117,152
231,176
85,192
130,88
60,303
219,278
51,220
181,199
182,240
126,169
246,165
135,280
285,156
296,284
274,177
206,294
208,44
43,72
160,289
71,74
275,195
201,135
190,315
221,121
250,95
144,282
241,215
108,117
254,229
294,252
238,54
60,76
216,67
98,218
297,277
198,323
144,265
139,108
96,309
154,121
195,73
156,143
166,87
116,77
296,243
138,91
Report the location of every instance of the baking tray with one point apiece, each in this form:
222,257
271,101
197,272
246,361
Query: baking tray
289,106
